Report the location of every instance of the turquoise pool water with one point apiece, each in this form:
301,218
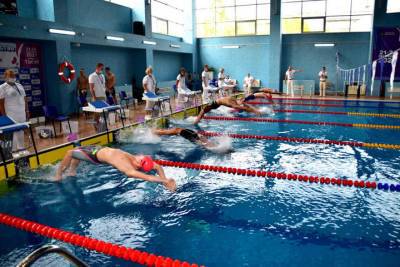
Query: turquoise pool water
226,220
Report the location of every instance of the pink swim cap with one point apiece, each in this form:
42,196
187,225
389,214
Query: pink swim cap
147,163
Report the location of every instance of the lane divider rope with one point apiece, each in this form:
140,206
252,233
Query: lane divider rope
303,140
283,176
337,100
321,123
106,248
364,114
317,105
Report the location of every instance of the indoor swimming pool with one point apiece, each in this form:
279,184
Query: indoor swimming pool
221,219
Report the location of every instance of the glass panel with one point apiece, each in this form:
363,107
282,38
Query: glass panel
291,25
338,7
175,29
361,23
314,9
159,26
205,4
263,1
222,3
263,27
225,29
263,11
246,28
337,24
393,6
246,13
225,14
313,25
245,2
291,10
205,16
362,7
205,30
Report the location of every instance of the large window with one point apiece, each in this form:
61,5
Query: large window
168,17
310,16
217,18
393,6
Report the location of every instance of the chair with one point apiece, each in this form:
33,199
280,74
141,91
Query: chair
51,113
124,97
82,102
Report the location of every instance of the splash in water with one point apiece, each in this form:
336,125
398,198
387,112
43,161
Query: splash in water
141,135
223,144
267,111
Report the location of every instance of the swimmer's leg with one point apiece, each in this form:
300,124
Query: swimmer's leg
64,165
172,131
74,165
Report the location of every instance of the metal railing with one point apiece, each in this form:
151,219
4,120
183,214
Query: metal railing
51,249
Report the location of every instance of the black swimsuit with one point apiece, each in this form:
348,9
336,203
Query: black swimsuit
190,135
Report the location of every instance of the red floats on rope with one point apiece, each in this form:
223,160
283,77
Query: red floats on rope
106,248
219,118
270,174
286,139
311,111
297,104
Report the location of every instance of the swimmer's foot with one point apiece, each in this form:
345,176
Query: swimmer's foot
72,173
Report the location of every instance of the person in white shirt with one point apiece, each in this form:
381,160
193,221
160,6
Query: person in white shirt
323,77
97,83
13,104
205,81
221,77
149,85
289,79
181,81
248,83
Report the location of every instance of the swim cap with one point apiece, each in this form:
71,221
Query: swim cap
146,163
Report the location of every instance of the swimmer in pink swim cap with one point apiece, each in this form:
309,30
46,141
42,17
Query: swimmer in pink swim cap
133,166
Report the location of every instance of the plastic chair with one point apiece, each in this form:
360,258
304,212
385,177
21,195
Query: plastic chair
51,113
82,102
124,97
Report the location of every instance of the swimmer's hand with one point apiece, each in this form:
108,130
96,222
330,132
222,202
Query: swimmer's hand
170,184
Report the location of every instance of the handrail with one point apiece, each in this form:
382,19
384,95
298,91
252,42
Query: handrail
50,249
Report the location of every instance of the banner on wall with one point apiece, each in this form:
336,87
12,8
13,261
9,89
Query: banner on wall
25,60
386,41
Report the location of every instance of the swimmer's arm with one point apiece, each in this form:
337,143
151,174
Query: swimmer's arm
200,116
146,177
160,171
250,109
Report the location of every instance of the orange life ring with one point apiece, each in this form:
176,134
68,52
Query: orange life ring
63,77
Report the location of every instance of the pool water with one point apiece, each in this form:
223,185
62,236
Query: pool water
220,219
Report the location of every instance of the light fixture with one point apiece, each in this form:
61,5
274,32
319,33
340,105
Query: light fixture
175,46
62,32
231,46
115,38
324,45
149,42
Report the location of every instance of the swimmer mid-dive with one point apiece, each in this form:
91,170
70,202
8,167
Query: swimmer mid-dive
188,134
133,166
230,102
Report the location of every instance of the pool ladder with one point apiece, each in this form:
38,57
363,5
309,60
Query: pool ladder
51,249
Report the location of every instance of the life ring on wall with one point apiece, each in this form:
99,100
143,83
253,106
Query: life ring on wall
63,77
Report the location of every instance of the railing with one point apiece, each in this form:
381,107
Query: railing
51,249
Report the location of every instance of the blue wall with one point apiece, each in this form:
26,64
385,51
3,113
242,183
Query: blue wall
300,52
167,65
252,56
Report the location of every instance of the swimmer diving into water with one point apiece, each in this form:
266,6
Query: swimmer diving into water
133,166
188,134
229,102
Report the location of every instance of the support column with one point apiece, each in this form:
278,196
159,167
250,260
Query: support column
149,57
148,21
276,46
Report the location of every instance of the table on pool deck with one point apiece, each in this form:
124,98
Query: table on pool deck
159,101
103,107
8,125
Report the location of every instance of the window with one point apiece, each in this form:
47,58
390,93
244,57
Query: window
307,16
393,6
218,18
168,17
127,3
